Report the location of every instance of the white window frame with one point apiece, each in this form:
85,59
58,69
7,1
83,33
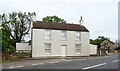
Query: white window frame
77,49
78,35
47,34
63,35
49,44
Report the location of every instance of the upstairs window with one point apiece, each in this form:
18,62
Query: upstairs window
47,34
63,35
77,35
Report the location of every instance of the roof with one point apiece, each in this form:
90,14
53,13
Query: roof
59,26
107,41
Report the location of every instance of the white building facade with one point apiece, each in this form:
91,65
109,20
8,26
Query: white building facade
58,39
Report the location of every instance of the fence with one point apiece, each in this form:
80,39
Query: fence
93,49
23,47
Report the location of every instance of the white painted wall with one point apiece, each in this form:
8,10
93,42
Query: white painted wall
56,43
23,46
93,49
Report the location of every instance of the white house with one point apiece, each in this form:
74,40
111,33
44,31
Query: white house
59,39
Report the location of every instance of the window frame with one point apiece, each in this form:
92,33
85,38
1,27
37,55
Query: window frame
47,35
63,35
77,49
77,32
49,44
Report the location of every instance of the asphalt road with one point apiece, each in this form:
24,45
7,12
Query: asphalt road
103,62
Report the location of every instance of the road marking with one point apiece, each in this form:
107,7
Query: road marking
20,66
116,61
68,60
11,67
79,59
94,66
51,62
41,63
35,64
55,62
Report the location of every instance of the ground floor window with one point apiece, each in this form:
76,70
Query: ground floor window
47,48
77,48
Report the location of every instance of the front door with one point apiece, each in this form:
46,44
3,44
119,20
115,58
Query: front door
63,50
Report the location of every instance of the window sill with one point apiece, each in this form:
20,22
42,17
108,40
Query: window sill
77,40
47,53
77,53
48,39
63,40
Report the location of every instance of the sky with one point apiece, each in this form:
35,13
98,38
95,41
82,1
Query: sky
100,16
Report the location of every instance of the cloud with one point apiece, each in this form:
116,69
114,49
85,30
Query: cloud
100,16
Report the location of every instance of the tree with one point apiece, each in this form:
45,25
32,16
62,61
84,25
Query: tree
99,40
17,24
53,19
13,28
6,42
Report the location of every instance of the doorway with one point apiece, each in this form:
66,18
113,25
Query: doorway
63,50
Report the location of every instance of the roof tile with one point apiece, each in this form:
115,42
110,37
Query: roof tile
59,26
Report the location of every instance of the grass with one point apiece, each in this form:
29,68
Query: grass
5,60
15,57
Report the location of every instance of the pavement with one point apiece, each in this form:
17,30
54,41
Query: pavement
84,63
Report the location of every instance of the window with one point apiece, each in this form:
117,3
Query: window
77,35
63,35
77,48
47,34
47,48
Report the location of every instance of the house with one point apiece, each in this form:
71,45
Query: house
59,39
106,47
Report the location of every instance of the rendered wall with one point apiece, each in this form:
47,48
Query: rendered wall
23,46
56,43
93,49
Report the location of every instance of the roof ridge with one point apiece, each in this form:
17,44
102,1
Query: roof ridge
58,26
61,23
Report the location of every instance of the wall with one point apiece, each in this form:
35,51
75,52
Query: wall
56,43
85,41
23,46
93,49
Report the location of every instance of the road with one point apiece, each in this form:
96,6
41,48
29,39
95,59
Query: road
102,62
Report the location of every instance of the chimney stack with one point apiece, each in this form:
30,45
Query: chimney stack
81,21
34,16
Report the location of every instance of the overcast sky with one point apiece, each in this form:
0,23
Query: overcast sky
100,16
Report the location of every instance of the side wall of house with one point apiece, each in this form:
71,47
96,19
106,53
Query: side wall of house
85,42
38,42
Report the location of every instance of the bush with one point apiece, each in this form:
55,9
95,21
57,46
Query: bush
23,55
11,49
